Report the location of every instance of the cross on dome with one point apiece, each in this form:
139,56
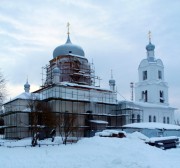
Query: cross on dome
149,34
68,25
111,74
150,46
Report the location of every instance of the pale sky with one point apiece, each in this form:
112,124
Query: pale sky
113,33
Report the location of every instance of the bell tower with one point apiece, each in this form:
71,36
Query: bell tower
151,87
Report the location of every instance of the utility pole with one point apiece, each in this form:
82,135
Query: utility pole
132,90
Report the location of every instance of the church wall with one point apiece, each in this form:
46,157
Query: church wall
97,111
18,125
17,133
159,113
81,107
152,69
79,94
153,93
165,93
16,105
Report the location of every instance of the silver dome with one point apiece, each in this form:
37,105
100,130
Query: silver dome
68,48
27,85
112,81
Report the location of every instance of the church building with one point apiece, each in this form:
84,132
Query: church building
70,90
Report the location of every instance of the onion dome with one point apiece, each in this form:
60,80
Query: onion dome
112,82
56,70
27,87
68,48
150,47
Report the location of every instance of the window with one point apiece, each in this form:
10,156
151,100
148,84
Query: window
168,120
138,118
164,119
145,96
149,118
161,96
154,119
159,75
144,75
133,118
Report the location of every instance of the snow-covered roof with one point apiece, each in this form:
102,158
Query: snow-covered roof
152,105
25,96
27,110
146,104
84,86
153,139
110,132
98,121
7,126
153,125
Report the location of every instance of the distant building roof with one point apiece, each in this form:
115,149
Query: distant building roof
153,125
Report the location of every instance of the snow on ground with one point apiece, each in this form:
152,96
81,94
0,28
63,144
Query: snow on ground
96,152
137,135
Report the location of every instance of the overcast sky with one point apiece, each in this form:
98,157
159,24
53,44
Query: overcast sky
113,33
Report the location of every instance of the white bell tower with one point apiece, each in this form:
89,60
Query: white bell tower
151,87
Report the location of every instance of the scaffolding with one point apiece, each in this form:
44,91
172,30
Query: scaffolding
75,93
72,69
134,112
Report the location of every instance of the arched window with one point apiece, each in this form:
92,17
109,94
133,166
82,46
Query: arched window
138,118
144,75
150,118
161,96
168,120
154,119
133,118
164,119
145,96
159,74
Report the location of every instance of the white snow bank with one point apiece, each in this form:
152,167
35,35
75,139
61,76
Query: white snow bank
96,152
153,125
137,135
27,142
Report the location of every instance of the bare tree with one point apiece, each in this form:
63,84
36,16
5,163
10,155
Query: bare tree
42,119
34,118
2,88
66,123
48,117
35,110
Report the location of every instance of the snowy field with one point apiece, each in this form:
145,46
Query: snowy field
96,152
